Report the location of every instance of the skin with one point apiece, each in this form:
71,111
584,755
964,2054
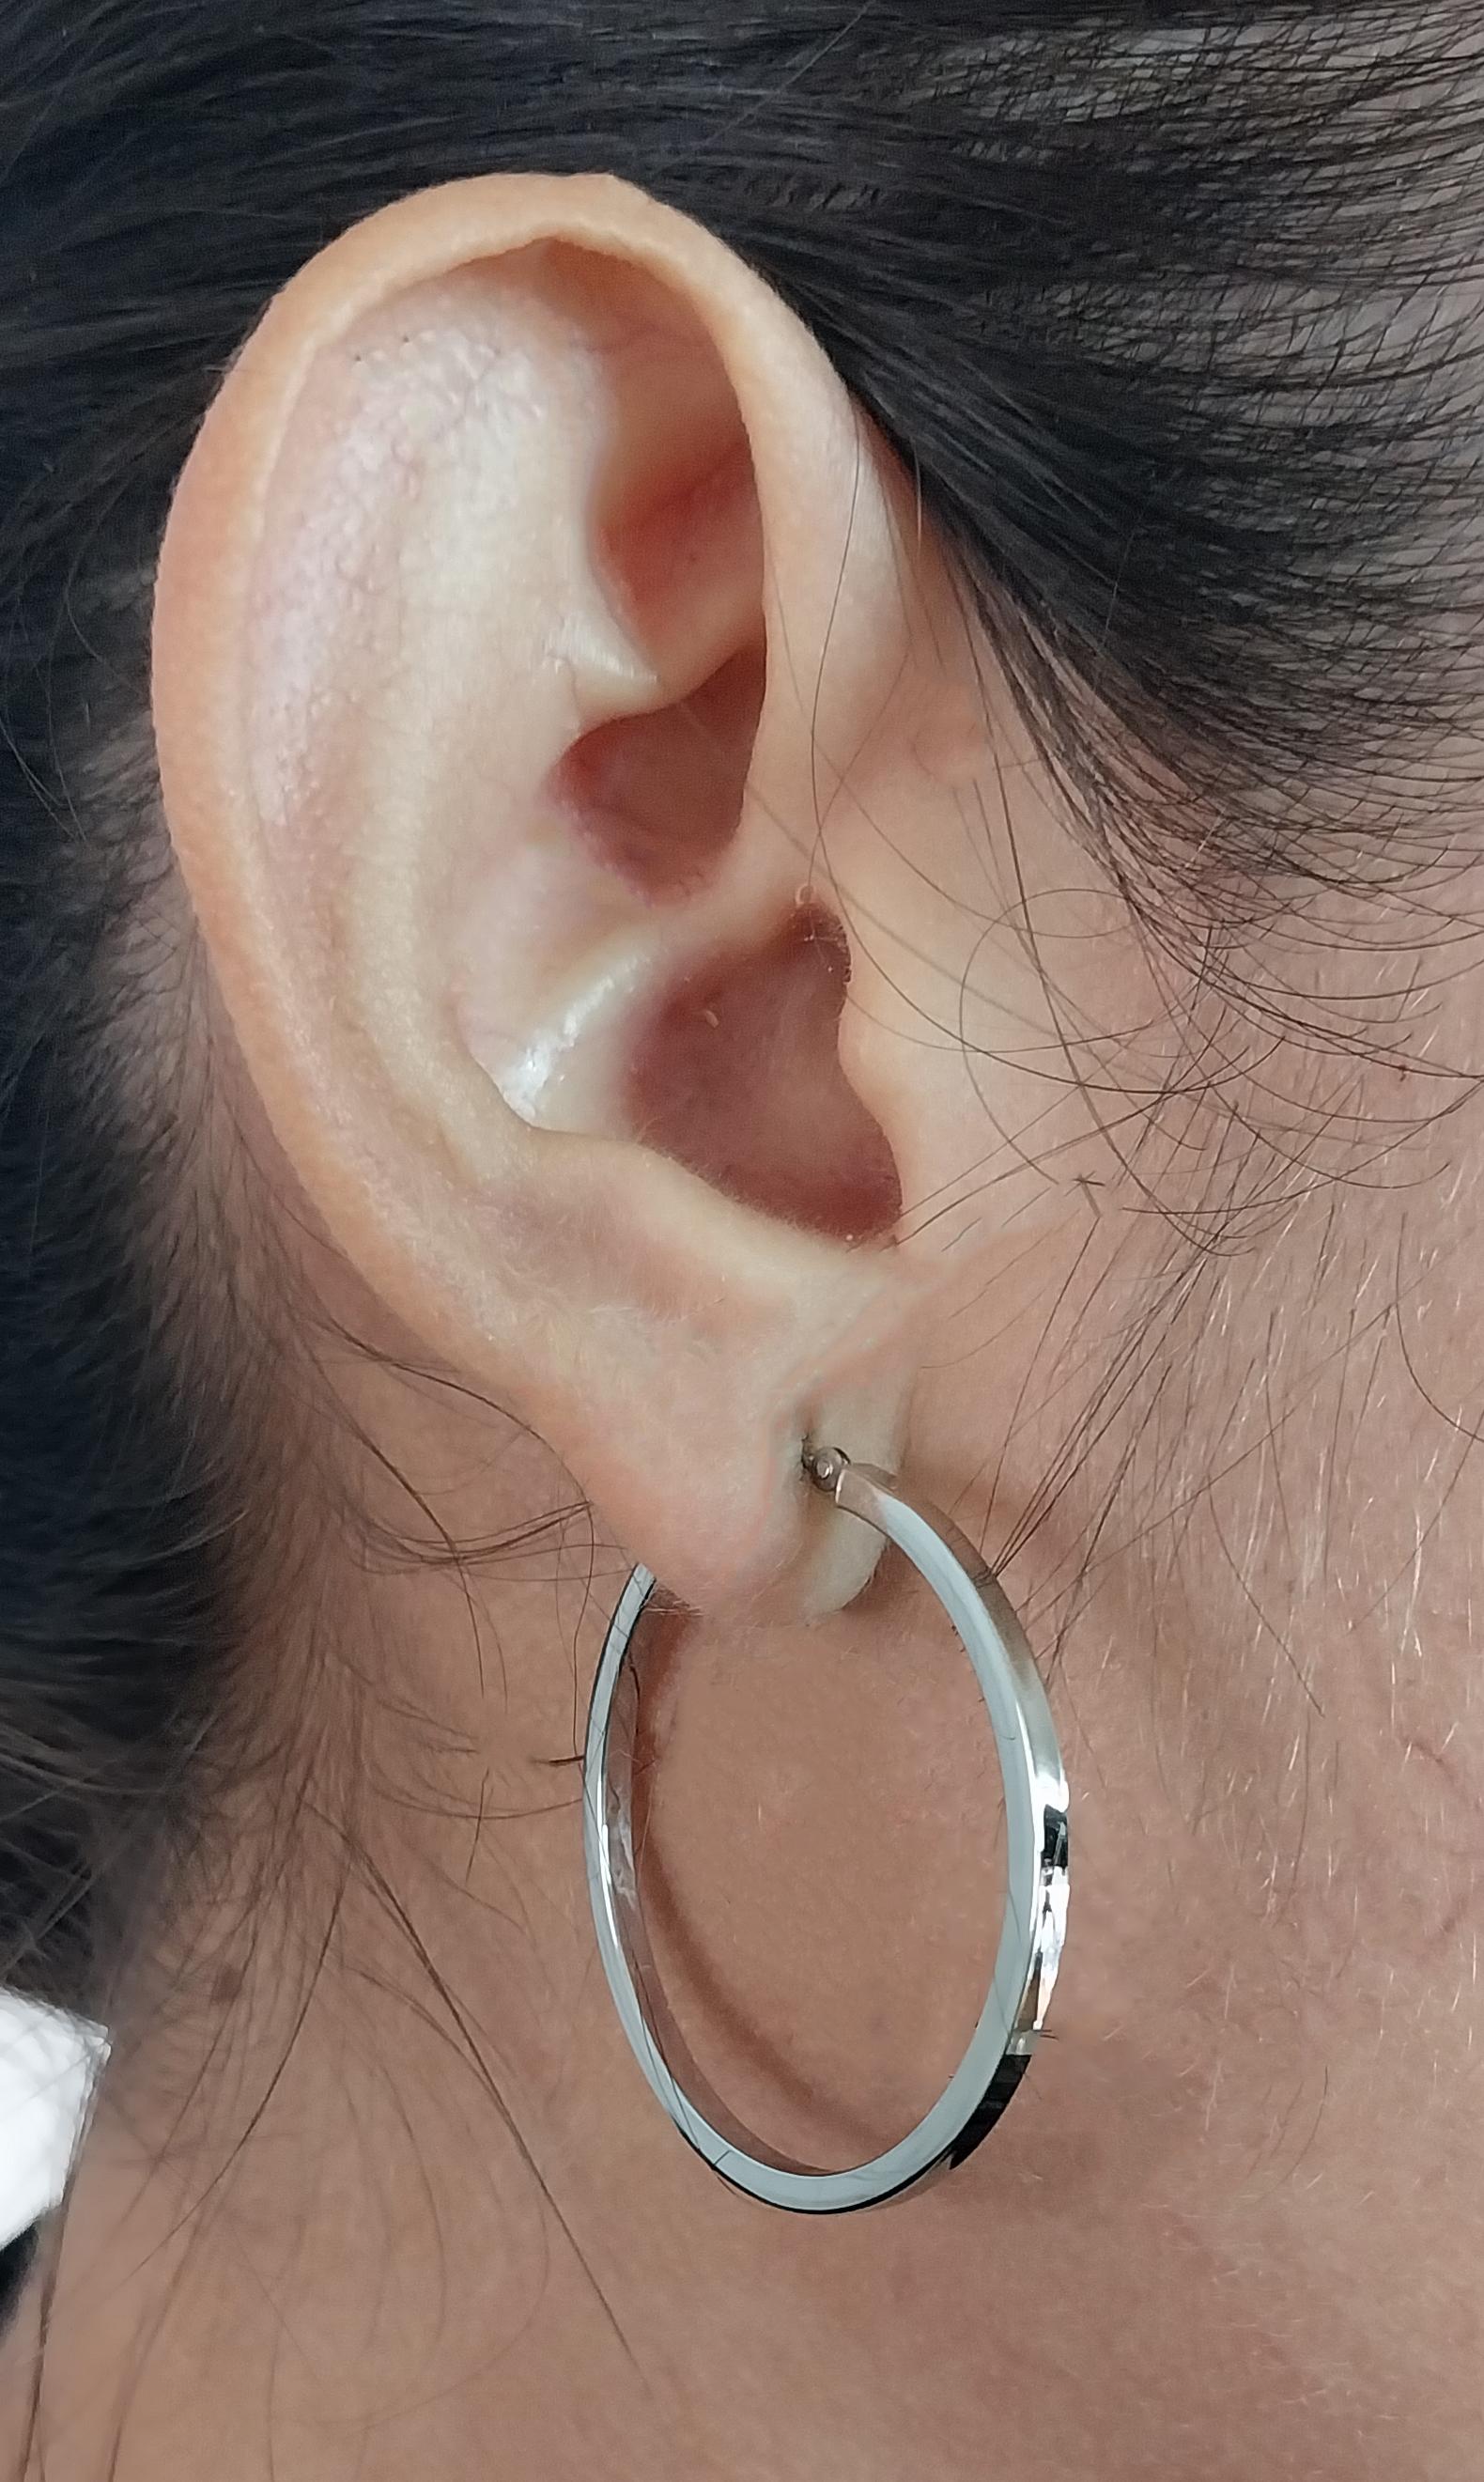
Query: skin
384,2193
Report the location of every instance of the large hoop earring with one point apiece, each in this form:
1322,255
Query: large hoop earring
1031,1932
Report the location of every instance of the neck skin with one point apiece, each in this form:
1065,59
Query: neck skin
385,2167
421,2214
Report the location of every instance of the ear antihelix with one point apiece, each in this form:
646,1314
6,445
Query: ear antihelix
676,546
675,525
697,1010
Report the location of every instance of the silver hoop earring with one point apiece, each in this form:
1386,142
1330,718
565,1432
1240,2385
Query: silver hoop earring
1031,1932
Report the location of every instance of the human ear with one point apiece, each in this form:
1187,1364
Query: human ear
529,572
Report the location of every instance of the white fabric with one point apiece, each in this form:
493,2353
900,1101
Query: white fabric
47,2067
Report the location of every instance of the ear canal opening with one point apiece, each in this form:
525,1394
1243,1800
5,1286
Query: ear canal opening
738,1076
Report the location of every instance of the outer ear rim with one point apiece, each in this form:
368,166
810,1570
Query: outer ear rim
438,229
806,1305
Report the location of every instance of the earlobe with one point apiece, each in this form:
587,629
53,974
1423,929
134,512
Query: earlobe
491,685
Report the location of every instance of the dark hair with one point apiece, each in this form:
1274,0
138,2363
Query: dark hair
1155,304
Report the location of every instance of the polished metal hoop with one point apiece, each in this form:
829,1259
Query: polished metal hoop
1035,1923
